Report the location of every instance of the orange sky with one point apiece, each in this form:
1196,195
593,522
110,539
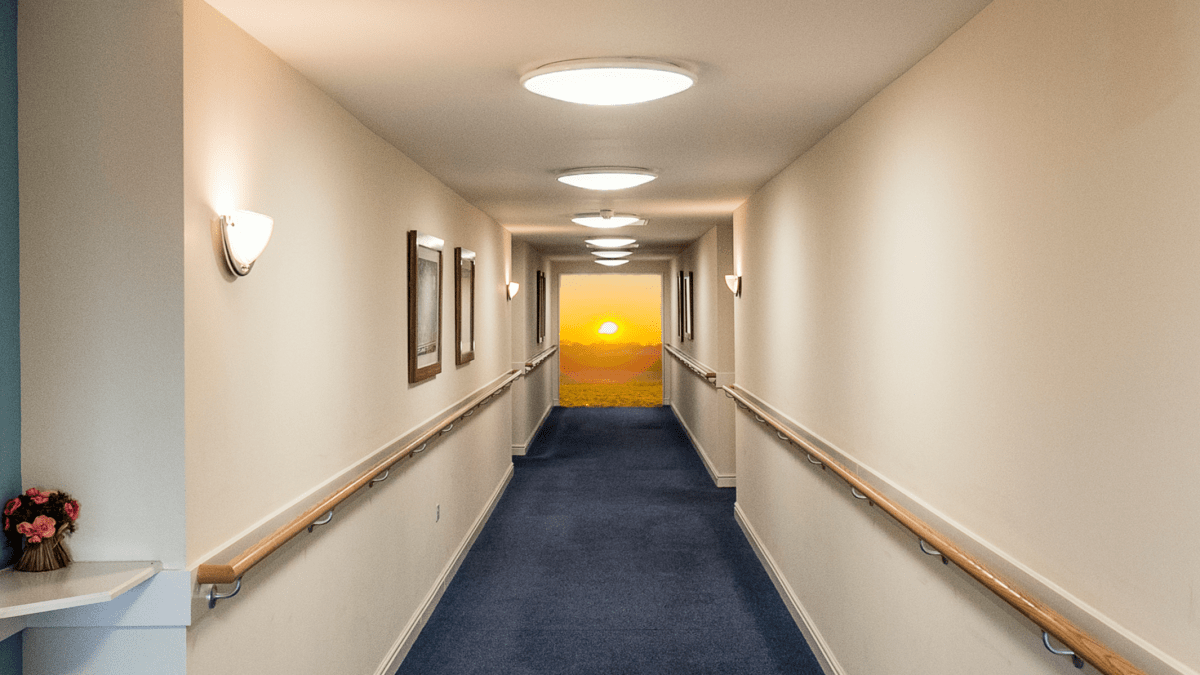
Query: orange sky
632,301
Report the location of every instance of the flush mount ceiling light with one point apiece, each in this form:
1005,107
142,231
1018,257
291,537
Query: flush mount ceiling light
612,254
611,263
610,81
611,243
606,177
244,235
606,219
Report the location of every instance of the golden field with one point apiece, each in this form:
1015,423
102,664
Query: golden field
625,395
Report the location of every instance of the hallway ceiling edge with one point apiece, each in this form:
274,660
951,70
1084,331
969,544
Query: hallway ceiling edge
439,80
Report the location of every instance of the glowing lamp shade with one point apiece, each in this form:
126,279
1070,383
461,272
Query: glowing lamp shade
606,220
734,282
244,235
512,288
613,242
606,178
611,263
612,254
615,81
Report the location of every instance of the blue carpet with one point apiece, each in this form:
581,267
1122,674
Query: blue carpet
611,553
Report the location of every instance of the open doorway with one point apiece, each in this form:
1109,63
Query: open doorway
610,340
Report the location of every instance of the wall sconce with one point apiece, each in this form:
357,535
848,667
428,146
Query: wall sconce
734,282
513,287
244,235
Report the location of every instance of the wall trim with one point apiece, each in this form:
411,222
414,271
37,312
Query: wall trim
820,648
721,480
412,629
520,450
1119,638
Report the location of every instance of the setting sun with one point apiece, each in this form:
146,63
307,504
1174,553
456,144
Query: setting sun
608,328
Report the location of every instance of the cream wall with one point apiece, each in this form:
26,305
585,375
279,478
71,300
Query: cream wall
299,370
700,406
534,395
983,288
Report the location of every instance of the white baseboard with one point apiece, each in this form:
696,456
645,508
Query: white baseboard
820,648
413,628
522,449
723,480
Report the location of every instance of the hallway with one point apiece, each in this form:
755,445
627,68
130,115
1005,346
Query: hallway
611,552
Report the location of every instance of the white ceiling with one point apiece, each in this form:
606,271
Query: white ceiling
439,80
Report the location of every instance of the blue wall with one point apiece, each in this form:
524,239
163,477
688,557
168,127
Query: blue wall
10,351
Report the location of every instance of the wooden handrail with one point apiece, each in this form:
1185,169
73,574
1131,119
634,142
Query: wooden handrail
692,364
244,561
540,358
1083,644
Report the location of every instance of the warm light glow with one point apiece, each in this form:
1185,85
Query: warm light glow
612,254
244,235
606,178
614,81
611,263
614,242
607,328
512,288
734,282
607,219
631,301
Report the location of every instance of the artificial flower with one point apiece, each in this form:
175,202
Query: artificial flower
13,505
71,508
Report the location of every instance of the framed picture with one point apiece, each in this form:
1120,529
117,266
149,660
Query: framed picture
541,307
679,306
464,306
689,307
424,306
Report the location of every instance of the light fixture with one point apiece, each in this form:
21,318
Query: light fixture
612,254
614,242
512,289
606,219
244,235
611,263
609,81
734,282
606,177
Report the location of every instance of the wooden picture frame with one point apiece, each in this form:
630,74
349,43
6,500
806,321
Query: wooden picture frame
464,305
424,306
679,307
541,307
689,307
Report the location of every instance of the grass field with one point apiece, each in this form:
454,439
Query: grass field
628,394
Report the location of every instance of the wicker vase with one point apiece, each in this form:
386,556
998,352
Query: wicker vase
47,554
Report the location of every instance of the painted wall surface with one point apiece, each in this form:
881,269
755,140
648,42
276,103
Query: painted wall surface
10,288
299,370
983,287
10,655
702,408
102,341
534,395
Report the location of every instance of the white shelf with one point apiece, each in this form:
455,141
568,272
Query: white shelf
80,583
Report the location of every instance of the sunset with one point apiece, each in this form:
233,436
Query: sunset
610,340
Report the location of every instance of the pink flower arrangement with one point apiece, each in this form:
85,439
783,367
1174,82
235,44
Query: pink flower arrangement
39,515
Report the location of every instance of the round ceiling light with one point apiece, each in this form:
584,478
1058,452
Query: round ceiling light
612,254
612,263
606,177
615,242
606,219
611,81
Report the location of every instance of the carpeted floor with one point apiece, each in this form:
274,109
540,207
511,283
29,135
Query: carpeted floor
611,553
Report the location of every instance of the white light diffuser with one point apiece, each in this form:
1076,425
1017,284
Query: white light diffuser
612,81
614,242
244,235
611,263
606,177
612,254
607,220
